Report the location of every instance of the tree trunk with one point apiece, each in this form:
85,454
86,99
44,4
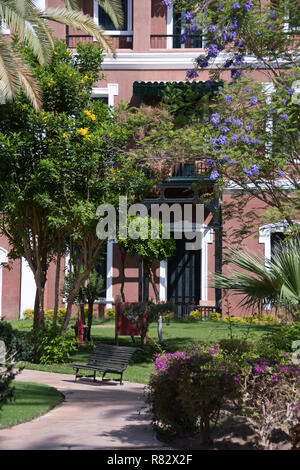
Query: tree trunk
81,305
90,318
123,257
56,293
156,292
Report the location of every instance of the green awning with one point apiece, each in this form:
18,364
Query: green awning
157,88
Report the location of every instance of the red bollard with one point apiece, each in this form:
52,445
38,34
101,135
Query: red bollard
79,329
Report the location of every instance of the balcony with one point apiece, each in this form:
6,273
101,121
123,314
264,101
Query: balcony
119,41
174,41
191,170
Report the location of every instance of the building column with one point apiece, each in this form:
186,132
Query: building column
141,25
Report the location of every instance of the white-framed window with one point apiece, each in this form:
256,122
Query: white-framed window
101,18
175,31
106,94
292,17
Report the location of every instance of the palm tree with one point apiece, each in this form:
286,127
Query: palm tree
275,282
25,19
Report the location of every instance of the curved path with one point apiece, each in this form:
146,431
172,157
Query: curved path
92,416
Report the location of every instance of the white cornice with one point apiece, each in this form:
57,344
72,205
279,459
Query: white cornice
171,60
236,188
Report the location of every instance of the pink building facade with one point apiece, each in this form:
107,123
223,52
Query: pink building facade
148,50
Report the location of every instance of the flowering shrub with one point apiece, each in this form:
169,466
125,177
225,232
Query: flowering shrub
110,313
269,397
196,315
52,347
215,316
282,338
48,314
188,389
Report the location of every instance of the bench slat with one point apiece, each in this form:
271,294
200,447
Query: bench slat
107,358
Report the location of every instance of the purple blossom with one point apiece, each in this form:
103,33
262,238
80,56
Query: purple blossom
236,6
284,101
235,25
221,140
191,73
224,129
239,60
253,100
228,63
237,122
228,120
220,6
213,50
215,118
229,37
248,6
228,98
235,138
290,91
284,116
248,128
238,43
213,28
214,175
188,16
254,169
167,3
245,139
273,14
281,174
209,162
235,74
224,159
202,62
183,38
232,162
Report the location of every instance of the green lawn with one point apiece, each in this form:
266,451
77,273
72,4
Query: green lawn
177,335
31,400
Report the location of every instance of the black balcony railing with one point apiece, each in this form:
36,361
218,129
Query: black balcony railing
119,42
191,170
174,41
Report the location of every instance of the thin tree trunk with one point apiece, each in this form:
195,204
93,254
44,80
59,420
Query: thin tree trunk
90,318
56,294
123,257
156,292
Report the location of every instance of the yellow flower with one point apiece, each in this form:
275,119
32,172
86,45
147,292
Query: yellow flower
87,112
64,135
86,77
83,130
114,179
87,136
93,117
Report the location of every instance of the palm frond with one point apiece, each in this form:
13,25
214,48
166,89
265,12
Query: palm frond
114,9
14,74
72,5
276,282
25,19
80,22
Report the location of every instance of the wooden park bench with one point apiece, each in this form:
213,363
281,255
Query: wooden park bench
107,358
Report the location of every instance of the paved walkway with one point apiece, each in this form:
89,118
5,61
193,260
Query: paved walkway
92,416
